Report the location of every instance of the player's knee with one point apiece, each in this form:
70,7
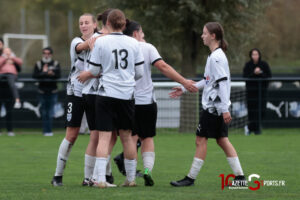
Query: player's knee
72,134
200,141
125,137
221,141
71,138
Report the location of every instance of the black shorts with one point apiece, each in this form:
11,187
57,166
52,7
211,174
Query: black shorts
145,120
114,114
74,110
90,110
211,126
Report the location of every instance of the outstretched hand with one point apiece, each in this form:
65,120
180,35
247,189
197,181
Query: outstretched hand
190,86
177,92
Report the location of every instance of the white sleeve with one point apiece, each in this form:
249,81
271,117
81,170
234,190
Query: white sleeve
139,71
153,54
222,106
199,85
139,58
73,53
94,61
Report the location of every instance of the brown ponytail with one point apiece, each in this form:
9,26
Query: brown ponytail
217,29
103,16
117,19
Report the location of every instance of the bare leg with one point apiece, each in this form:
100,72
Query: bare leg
103,143
147,144
227,147
92,146
231,154
201,147
72,134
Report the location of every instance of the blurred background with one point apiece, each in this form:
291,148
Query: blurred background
173,26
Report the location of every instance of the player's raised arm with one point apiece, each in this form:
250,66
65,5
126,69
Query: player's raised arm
169,72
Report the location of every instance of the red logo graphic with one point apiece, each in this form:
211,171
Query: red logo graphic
227,182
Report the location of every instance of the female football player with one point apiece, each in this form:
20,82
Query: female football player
215,116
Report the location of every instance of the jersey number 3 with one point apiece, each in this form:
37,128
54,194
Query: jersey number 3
123,53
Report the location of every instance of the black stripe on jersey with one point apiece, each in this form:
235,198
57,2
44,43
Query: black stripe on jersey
156,61
221,79
95,64
140,63
216,83
78,52
81,59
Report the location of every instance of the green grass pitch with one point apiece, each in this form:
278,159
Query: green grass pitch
27,164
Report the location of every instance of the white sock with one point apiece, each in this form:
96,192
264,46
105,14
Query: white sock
195,169
108,166
235,165
101,169
62,157
148,160
89,164
130,167
95,172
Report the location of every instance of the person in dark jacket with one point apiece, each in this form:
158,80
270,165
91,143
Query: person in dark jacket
256,90
47,70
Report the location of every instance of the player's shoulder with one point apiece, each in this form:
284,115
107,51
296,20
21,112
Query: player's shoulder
218,55
77,40
97,33
146,45
130,40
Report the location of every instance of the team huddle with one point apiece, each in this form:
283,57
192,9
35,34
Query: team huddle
110,81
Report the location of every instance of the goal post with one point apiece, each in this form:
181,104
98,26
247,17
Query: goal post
7,36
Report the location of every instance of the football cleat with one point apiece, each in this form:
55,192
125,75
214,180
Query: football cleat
85,182
119,160
57,181
147,178
110,179
239,181
93,183
104,185
186,181
129,184
240,178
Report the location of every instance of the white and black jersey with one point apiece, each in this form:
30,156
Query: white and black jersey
74,87
117,56
216,93
91,85
144,91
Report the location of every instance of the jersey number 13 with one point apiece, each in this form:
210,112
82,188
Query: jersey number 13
123,53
